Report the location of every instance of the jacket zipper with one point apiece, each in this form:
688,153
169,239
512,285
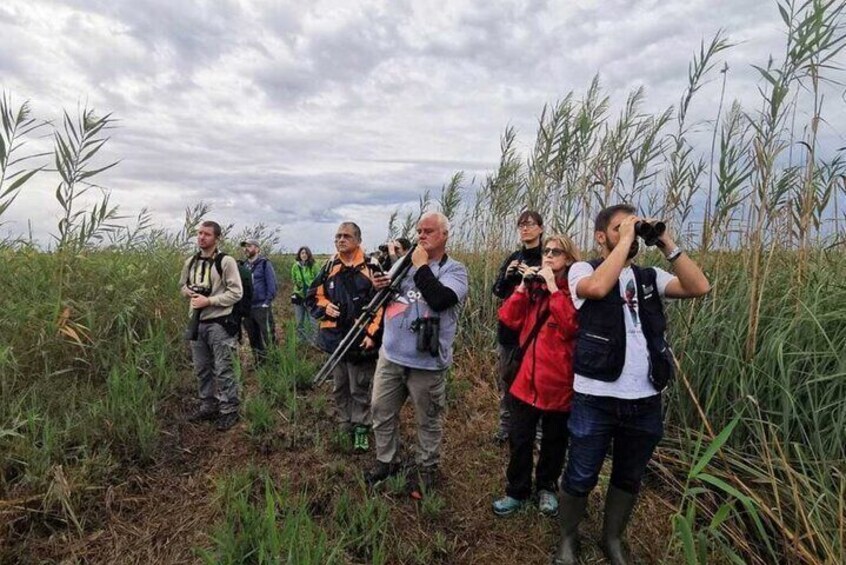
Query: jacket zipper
599,337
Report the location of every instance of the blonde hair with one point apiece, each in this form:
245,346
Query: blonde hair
570,248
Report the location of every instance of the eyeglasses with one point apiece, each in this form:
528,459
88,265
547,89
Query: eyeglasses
527,225
554,251
343,236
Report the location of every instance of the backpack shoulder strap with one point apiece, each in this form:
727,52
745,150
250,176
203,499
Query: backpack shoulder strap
218,263
194,258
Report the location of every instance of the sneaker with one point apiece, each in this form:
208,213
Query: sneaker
379,472
507,505
362,439
500,437
226,421
547,503
423,480
204,413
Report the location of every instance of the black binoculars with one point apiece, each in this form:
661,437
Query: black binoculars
650,232
427,330
193,330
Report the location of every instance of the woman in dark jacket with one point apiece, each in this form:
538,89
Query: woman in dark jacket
542,311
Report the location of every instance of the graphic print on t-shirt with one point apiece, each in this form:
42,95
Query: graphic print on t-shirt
401,304
631,301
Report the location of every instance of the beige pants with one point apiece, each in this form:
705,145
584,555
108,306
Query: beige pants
351,389
392,384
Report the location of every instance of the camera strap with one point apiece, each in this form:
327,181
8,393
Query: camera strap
535,330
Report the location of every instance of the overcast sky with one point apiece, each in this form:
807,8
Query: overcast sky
302,114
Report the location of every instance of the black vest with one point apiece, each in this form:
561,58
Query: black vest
601,342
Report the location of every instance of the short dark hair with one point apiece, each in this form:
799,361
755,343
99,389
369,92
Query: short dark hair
530,215
355,228
605,215
404,243
214,226
309,257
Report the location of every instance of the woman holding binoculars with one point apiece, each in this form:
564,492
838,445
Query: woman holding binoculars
542,311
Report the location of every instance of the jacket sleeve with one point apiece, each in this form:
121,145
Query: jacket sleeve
183,277
438,296
232,290
513,312
321,301
504,286
270,280
296,284
563,311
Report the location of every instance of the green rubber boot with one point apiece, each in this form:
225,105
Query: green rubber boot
571,510
618,510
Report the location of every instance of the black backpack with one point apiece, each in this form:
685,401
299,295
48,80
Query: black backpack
242,307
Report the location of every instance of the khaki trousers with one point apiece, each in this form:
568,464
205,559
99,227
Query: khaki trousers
392,385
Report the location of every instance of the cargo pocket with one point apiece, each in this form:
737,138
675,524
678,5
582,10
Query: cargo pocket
437,397
593,354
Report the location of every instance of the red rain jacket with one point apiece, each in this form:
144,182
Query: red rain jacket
545,377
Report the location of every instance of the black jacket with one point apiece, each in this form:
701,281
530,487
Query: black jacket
505,285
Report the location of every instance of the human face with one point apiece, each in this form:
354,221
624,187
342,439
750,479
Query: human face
609,238
206,240
345,239
303,256
555,257
530,232
250,250
430,236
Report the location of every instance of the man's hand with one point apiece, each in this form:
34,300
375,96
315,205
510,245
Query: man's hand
627,229
549,278
198,301
381,280
368,343
420,257
666,242
332,311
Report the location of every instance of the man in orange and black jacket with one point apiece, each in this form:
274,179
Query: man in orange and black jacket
346,288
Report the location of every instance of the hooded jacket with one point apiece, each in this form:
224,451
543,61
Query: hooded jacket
545,377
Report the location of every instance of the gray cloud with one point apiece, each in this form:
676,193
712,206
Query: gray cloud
302,114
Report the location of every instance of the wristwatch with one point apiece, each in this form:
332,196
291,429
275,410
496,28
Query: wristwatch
674,254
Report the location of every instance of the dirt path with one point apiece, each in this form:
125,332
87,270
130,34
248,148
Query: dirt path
163,513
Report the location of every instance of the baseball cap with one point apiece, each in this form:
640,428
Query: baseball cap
250,242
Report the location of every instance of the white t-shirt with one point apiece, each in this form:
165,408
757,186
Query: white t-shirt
634,380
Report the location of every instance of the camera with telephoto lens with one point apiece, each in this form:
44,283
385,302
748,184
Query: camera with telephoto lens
193,330
428,338
650,232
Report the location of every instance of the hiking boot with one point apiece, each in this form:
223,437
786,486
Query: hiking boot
362,439
507,505
618,510
547,503
423,480
379,472
226,421
571,512
203,414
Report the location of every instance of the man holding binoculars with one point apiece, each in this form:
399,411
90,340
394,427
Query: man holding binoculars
622,363
419,329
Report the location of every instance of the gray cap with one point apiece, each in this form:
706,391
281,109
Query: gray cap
250,242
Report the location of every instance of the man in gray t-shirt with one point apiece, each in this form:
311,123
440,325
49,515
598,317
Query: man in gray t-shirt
419,330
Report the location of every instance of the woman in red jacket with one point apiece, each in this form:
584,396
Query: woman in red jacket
541,309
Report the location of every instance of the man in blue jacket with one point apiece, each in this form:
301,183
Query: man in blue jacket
260,325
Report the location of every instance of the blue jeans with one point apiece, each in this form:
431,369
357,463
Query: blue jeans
636,426
305,324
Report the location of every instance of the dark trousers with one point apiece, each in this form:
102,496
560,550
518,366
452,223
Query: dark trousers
521,439
635,426
260,330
